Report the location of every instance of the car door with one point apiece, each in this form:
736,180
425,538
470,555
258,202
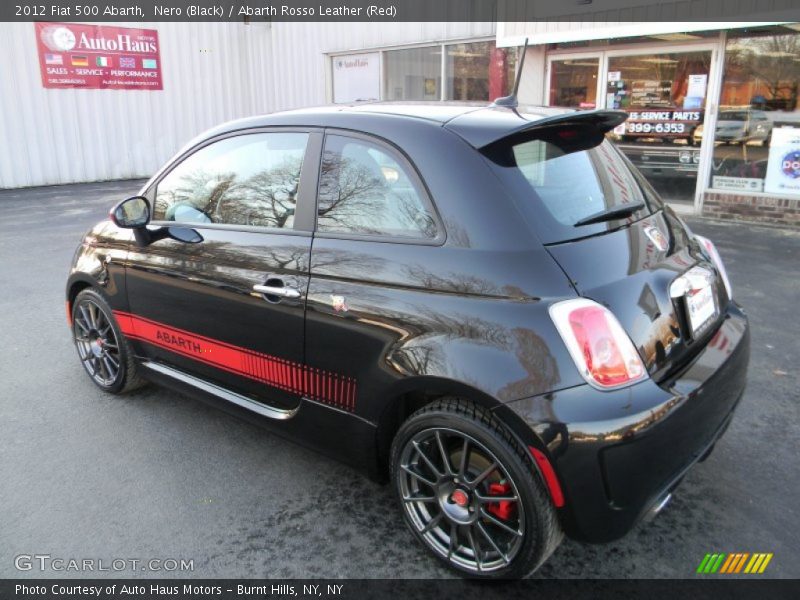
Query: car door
375,232
226,306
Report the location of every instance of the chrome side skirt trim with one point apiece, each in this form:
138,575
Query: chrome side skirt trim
220,392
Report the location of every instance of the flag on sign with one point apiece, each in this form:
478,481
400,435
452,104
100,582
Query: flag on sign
149,63
102,61
80,61
127,62
53,59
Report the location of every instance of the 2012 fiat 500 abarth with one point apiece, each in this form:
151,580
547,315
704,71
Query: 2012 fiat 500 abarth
487,306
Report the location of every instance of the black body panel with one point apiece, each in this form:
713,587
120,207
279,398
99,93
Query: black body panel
618,453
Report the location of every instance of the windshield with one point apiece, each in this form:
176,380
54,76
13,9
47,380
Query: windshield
733,116
556,189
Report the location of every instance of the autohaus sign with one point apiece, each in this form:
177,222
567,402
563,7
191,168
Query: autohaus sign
98,57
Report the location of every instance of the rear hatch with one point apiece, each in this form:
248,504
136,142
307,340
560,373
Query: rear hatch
610,233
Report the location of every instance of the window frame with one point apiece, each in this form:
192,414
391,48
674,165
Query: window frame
413,174
304,217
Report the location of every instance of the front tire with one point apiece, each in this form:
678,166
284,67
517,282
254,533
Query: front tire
104,353
470,493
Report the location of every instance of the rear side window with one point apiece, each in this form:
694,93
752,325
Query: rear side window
249,179
556,189
365,189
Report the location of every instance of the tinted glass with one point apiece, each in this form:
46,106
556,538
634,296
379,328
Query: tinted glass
665,96
413,74
573,82
363,189
556,189
244,180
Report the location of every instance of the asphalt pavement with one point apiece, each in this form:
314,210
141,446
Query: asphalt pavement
157,475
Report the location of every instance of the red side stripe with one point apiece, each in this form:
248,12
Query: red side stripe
285,375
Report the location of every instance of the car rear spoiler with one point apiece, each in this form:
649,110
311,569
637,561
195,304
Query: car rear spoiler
485,127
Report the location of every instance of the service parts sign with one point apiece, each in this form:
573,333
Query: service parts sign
783,166
98,57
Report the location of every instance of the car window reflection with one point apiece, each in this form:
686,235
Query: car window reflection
245,180
364,190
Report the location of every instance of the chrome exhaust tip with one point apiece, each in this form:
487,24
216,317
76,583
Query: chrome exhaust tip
658,507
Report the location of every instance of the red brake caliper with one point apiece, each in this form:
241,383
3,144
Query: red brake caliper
504,509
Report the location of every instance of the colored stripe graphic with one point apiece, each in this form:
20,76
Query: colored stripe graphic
317,384
734,563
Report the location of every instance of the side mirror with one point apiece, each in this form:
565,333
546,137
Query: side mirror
132,213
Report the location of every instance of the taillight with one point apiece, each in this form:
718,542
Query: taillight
711,249
602,351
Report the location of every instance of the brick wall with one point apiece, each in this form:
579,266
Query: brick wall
782,211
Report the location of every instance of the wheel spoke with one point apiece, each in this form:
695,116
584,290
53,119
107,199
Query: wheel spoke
448,470
431,524
114,362
427,460
488,499
86,317
416,475
93,315
102,369
475,549
420,499
489,539
489,470
112,371
453,545
486,514
83,325
462,469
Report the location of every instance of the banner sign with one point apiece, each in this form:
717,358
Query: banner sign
783,165
661,123
98,57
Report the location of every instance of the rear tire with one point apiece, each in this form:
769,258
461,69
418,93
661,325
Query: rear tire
104,353
449,461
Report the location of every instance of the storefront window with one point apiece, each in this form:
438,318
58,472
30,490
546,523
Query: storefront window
757,136
479,71
413,74
665,96
573,82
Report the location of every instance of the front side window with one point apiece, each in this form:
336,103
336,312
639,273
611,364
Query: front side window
365,190
250,179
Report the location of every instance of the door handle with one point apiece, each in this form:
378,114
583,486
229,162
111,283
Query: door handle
271,290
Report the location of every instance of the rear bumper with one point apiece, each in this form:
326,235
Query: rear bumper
617,454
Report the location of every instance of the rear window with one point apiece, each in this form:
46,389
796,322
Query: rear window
555,188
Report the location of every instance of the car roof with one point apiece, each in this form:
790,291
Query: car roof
453,115
478,123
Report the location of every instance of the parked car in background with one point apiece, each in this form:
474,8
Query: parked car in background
740,127
486,306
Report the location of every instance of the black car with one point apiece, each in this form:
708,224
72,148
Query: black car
486,306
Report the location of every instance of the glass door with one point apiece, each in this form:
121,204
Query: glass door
665,95
574,82
664,89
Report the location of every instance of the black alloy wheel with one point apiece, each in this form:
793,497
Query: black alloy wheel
468,495
104,353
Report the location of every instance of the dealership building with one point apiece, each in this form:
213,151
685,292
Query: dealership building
714,121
